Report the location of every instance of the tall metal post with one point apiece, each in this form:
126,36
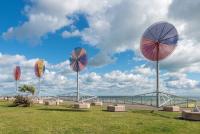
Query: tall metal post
39,88
16,86
157,78
77,88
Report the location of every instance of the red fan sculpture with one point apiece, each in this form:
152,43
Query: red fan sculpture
78,61
17,75
158,42
39,71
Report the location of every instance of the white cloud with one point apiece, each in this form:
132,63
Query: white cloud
179,83
46,16
120,26
67,34
187,12
38,25
54,77
59,79
101,59
114,25
186,58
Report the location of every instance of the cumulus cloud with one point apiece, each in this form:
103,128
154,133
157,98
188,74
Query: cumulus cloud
53,79
186,58
114,25
119,28
177,82
59,79
37,26
187,12
44,16
101,59
67,34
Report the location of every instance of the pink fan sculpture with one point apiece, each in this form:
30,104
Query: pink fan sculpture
17,75
158,41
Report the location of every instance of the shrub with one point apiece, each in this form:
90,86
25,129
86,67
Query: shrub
23,101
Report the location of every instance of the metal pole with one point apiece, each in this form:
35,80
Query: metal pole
16,86
39,88
77,88
157,79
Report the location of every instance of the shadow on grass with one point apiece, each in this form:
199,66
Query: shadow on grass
104,110
143,111
113,111
8,105
64,109
153,113
181,118
163,116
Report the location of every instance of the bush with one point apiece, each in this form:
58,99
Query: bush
23,101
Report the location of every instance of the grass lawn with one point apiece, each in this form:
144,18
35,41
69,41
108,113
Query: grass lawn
60,119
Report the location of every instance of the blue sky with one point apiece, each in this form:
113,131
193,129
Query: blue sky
110,31
52,47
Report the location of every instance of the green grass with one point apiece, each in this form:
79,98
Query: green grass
60,119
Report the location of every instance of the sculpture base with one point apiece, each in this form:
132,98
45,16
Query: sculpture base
116,108
171,108
97,103
82,105
51,102
188,115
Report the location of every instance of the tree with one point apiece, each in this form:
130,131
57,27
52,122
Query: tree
24,101
27,88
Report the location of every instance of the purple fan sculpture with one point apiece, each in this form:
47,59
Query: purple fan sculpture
158,41
78,62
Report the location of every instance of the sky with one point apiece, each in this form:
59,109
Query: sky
110,32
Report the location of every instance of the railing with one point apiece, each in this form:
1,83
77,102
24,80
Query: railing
143,99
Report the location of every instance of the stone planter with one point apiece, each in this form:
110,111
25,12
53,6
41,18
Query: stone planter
116,108
51,102
188,115
171,108
82,105
40,101
97,103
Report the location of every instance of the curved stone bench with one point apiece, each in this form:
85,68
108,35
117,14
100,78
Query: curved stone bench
97,103
116,108
82,105
188,115
171,108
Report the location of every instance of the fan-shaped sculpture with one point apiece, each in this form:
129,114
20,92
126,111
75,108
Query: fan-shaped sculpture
78,61
39,71
39,68
158,42
17,75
